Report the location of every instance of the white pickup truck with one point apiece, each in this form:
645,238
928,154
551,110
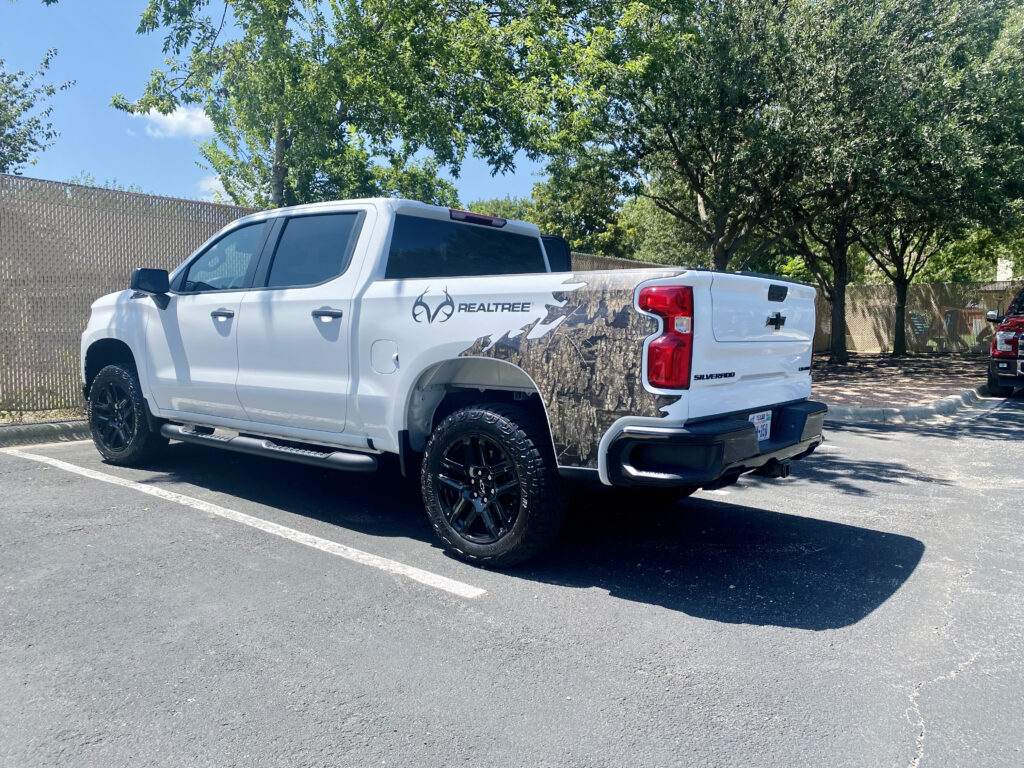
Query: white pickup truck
332,333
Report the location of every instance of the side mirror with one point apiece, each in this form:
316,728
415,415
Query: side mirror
559,253
993,316
155,282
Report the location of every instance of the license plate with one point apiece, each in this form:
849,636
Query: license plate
762,422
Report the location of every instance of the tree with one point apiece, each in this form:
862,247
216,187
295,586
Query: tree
699,106
974,258
285,83
842,48
581,202
25,127
957,154
653,235
508,207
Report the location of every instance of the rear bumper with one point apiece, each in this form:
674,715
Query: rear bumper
1007,371
709,452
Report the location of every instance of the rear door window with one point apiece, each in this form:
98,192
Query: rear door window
314,249
435,248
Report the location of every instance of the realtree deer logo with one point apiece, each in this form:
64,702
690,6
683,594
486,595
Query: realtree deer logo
421,310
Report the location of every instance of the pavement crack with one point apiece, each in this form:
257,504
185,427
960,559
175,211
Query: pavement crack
913,712
947,606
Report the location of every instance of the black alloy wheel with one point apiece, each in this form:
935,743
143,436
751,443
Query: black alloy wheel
118,418
479,492
490,484
113,417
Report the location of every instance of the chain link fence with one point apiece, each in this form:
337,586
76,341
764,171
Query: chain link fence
64,245
61,247
587,262
941,317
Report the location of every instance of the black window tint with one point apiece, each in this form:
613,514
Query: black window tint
434,248
1017,307
225,264
313,249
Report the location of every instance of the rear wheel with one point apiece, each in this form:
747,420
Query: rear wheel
490,484
995,390
117,418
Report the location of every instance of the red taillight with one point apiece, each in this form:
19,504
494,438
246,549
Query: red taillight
669,356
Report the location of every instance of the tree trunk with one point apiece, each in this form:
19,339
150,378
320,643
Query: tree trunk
719,255
839,258
899,342
279,171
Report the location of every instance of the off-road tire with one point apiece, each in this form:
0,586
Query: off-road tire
118,418
995,390
523,438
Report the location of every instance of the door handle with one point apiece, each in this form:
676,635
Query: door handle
327,314
222,314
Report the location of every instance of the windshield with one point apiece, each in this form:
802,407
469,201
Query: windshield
1017,307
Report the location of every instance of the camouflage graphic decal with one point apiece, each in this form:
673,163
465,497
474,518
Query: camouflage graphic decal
587,367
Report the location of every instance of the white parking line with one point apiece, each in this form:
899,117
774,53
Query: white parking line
355,555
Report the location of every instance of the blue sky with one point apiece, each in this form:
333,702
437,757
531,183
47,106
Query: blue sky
99,49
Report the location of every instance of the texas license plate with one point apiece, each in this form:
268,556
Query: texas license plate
762,422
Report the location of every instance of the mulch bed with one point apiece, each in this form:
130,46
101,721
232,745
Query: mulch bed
882,381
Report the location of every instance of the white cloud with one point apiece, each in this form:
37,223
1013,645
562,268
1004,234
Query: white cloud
211,189
183,121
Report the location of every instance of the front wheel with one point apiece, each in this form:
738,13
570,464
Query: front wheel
117,418
490,484
995,390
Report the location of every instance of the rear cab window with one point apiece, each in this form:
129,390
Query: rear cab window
422,247
313,249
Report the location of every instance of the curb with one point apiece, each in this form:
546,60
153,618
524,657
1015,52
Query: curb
844,414
44,432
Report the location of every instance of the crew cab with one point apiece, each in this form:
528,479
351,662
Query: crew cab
1006,364
332,333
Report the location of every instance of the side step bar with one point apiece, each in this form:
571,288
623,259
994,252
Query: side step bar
328,459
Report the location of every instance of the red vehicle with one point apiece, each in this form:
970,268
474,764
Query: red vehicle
1006,367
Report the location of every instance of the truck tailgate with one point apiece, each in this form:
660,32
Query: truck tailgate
752,310
752,344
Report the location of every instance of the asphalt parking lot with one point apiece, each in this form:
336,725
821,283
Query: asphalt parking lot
866,611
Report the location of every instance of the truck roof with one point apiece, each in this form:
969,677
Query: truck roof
387,205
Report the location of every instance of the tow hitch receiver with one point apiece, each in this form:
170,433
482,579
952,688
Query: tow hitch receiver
774,468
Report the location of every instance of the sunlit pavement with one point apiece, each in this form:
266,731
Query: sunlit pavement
867,611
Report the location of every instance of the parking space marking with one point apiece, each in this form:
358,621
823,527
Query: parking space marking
355,555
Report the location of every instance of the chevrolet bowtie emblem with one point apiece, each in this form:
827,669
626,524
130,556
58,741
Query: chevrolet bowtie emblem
775,321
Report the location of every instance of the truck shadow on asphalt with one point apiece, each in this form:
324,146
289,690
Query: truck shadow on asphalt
732,563
853,477
707,558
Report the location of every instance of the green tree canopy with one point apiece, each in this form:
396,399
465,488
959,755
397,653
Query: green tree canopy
697,105
508,207
25,127
955,111
287,85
